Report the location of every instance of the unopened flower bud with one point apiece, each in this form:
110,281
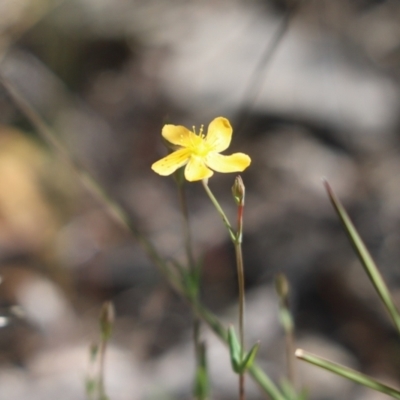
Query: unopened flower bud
281,286
238,191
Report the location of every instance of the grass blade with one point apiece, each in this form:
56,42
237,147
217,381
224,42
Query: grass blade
365,258
348,373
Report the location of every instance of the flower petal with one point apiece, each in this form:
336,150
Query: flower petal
234,163
197,170
170,163
179,135
219,134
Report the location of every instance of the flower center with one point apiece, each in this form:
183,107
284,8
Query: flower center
199,147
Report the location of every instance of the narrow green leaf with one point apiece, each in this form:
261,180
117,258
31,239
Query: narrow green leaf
303,395
288,390
90,386
258,375
201,388
193,283
196,276
365,258
348,373
265,383
249,358
234,350
93,352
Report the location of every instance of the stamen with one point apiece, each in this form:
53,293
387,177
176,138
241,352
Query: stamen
194,129
201,131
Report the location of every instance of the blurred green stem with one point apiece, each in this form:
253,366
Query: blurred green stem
102,353
186,228
290,347
199,349
282,288
106,321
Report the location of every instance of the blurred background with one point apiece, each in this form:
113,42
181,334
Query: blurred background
312,90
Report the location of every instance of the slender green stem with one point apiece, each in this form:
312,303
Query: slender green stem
221,212
122,218
240,271
236,238
186,228
290,346
238,191
198,347
102,354
241,283
106,326
282,288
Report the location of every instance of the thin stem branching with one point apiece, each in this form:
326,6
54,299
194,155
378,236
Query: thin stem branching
119,215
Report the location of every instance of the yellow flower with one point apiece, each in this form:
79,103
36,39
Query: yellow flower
200,152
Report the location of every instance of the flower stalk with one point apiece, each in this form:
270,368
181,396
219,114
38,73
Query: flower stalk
238,191
239,194
221,212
